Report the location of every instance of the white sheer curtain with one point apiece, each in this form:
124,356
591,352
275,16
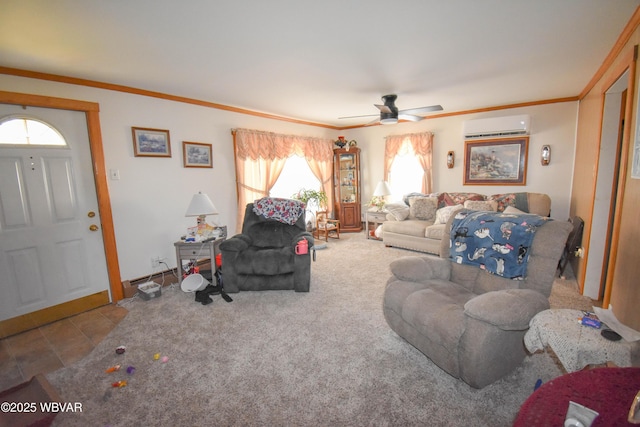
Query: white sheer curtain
260,157
422,145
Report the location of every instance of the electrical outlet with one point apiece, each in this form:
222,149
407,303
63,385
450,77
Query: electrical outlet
157,260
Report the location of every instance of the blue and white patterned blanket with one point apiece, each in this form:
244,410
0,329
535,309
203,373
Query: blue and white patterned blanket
496,242
286,211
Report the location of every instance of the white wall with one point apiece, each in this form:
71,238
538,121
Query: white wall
152,195
553,124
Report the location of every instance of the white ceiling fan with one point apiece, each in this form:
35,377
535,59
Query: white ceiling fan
389,113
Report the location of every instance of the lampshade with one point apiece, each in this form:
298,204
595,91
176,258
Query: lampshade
201,205
382,189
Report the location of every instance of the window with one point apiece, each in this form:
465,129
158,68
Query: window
261,156
405,175
295,176
26,131
408,163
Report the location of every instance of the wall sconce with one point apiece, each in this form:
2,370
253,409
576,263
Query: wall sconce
545,155
451,158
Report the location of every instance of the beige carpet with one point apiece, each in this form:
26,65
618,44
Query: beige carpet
323,358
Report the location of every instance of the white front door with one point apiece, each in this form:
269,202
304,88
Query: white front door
51,246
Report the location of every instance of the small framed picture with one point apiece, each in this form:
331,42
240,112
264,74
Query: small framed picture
196,155
151,142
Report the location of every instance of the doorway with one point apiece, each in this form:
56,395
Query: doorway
51,251
597,269
109,271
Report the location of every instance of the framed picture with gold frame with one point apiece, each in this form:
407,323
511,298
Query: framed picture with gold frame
496,161
196,155
151,142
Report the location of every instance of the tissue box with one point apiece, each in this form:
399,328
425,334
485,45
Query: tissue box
149,290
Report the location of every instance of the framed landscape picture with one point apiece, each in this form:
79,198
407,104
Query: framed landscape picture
496,161
196,155
151,142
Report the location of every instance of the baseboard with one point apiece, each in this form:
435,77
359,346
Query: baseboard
130,287
51,314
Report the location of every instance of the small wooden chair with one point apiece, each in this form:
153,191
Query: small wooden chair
326,226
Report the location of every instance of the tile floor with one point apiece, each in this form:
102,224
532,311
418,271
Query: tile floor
55,345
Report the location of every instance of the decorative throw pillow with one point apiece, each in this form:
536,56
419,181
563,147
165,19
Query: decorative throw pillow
484,205
399,211
443,214
406,197
504,200
451,199
423,208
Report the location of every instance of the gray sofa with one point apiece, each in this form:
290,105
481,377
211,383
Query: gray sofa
467,321
414,224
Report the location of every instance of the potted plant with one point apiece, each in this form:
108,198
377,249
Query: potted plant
312,198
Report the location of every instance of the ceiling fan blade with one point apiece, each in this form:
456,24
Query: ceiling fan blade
383,108
421,110
356,117
373,122
409,117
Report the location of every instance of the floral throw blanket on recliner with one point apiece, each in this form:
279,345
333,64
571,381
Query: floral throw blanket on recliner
496,242
286,211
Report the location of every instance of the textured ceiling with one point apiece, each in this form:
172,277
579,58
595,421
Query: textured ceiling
317,61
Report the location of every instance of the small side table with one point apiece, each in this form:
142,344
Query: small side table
576,345
197,250
376,218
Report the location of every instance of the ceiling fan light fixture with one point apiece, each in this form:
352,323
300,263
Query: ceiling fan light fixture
389,113
389,118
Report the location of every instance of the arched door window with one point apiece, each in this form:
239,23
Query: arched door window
26,131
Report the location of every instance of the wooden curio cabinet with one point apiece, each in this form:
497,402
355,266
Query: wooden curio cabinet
346,188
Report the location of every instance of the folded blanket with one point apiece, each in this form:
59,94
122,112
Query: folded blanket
494,241
286,211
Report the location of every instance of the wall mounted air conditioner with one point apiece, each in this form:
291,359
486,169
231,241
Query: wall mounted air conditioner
497,127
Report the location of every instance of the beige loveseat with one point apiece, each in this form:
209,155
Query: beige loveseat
418,223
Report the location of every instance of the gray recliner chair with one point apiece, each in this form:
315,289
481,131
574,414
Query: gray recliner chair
467,321
263,256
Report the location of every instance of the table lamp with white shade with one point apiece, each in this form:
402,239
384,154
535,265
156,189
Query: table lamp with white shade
201,206
382,190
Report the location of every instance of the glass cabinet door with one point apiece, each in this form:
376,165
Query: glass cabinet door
348,178
346,188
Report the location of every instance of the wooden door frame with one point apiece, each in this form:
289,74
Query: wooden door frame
92,112
629,127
